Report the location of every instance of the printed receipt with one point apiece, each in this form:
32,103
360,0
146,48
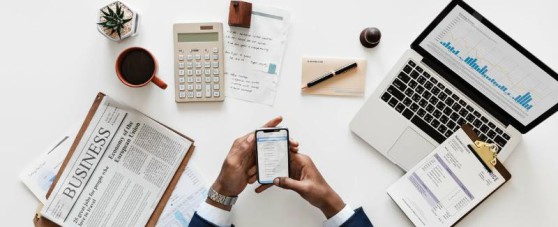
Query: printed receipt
445,185
253,56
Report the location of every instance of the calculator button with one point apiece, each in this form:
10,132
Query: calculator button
189,57
190,72
215,64
198,80
181,72
182,94
216,87
215,50
190,94
206,57
215,57
181,65
181,57
190,80
198,87
215,71
197,57
189,65
208,90
198,94
190,87
216,93
207,72
198,72
207,64
181,87
198,64
181,80
208,79
215,79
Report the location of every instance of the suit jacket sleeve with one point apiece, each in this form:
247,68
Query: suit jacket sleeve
359,219
198,221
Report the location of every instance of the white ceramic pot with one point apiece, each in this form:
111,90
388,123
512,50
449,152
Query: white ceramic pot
130,28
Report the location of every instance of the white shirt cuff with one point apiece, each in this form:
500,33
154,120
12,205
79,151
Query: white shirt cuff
215,215
340,218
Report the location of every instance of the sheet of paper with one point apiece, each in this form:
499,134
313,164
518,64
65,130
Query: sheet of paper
39,175
350,83
188,194
445,185
253,57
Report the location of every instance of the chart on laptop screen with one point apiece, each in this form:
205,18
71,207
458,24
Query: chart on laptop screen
493,66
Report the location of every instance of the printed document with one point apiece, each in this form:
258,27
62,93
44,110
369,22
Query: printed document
187,196
445,185
118,172
39,175
253,56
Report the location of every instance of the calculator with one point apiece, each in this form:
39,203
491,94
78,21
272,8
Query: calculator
198,62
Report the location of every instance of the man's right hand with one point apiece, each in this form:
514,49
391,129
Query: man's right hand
307,181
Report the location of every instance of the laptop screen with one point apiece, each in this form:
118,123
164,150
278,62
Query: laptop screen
491,65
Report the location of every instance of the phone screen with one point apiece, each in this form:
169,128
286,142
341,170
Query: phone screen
273,154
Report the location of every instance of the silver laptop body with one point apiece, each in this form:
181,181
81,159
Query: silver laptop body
440,84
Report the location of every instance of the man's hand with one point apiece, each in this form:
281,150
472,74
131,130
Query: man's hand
239,168
308,182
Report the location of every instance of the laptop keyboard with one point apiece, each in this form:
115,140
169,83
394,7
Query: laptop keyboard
435,109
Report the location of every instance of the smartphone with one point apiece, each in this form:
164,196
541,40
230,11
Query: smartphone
272,154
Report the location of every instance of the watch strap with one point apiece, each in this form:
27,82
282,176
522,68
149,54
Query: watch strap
221,199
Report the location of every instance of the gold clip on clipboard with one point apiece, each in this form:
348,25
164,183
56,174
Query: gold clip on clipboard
485,152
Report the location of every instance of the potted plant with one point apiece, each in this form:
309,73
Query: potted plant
117,21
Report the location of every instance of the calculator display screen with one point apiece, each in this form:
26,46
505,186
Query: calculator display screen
198,37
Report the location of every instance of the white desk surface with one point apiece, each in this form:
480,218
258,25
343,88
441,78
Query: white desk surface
53,62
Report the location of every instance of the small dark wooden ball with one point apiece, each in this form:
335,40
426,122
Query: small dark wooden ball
370,37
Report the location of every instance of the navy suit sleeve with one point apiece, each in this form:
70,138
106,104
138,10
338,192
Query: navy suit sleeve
198,221
359,219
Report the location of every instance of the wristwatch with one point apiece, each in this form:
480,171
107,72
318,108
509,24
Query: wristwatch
222,199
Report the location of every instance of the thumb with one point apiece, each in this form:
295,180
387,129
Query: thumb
288,183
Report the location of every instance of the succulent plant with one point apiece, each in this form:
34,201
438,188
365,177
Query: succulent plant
114,19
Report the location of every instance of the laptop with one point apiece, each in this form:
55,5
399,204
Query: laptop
461,70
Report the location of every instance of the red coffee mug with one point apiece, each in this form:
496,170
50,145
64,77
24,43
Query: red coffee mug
153,77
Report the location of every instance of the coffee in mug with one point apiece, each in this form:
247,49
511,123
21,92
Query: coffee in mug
136,67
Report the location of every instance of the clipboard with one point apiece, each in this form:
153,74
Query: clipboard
39,221
498,166
447,166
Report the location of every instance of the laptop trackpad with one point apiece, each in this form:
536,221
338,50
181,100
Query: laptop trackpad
409,149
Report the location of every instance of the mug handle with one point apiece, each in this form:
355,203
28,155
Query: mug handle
160,83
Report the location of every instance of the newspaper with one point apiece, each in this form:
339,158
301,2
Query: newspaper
118,172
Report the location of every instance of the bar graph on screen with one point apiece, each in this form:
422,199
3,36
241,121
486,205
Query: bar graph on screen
473,63
491,65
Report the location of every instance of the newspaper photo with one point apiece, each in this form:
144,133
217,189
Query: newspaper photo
118,172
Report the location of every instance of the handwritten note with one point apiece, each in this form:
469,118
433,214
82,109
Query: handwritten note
253,56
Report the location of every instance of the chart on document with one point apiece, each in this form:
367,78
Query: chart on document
492,65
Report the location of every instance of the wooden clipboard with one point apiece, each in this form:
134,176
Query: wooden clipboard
40,221
499,167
